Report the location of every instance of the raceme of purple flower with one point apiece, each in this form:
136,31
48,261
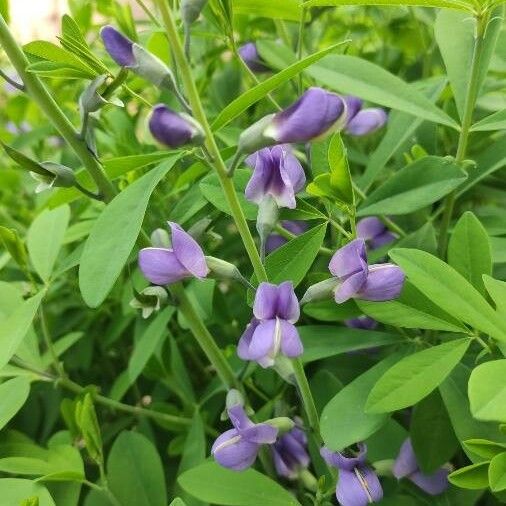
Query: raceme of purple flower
406,466
290,454
272,330
357,484
274,241
362,121
316,114
185,258
374,232
174,129
276,172
361,322
378,282
249,55
237,448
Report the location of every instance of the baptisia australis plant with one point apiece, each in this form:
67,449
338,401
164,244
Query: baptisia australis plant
358,484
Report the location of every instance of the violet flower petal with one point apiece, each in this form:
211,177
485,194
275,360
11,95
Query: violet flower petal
350,491
263,341
287,307
245,340
266,301
239,418
368,228
291,345
161,266
238,455
170,128
350,287
119,47
384,282
261,433
405,463
249,55
349,260
367,121
353,106
188,251
433,484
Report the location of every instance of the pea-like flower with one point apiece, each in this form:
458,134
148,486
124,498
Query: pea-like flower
356,279
238,448
276,172
406,466
290,454
374,232
358,484
275,241
316,114
272,330
362,121
174,129
249,55
185,258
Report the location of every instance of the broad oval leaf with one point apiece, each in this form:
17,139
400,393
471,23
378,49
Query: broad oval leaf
45,238
487,391
415,186
473,477
13,394
496,121
230,488
14,491
114,235
356,76
446,288
497,473
414,377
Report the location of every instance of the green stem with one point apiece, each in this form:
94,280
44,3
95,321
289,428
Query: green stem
58,367
38,92
300,44
205,339
218,163
467,121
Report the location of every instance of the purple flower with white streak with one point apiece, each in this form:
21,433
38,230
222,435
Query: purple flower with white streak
163,266
274,241
276,172
378,282
362,121
249,55
374,231
361,322
272,330
406,466
358,484
237,448
290,454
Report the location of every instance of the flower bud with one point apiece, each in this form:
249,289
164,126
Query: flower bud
234,398
160,238
56,176
282,423
191,9
320,291
149,300
225,270
267,216
249,55
119,47
174,129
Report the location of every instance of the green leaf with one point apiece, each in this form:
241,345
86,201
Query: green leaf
14,328
322,341
13,491
356,76
415,186
497,473
23,161
497,291
292,261
230,488
495,121
13,394
177,502
148,342
414,377
487,391
484,448
473,477
411,310
431,433
446,288
469,250
253,95
344,420
43,252
135,471
113,236
289,9
450,4
211,188
11,241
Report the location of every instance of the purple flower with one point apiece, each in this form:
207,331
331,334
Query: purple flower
361,322
290,454
358,484
163,266
274,241
249,55
406,466
174,129
358,280
237,448
272,329
315,114
374,231
362,121
276,172
119,47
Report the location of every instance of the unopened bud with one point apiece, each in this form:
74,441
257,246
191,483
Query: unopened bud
55,176
282,423
234,398
253,138
225,270
197,229
191,9
266,220
160,238
320,291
